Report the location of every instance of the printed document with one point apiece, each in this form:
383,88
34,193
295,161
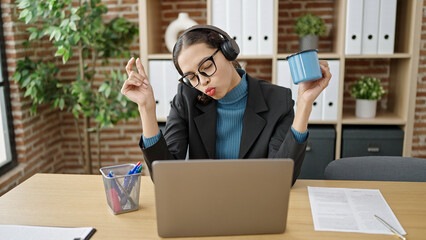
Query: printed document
351,210
19,232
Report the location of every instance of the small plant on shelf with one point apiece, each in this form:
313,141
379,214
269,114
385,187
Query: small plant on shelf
366,91
309,24
309,27
369,88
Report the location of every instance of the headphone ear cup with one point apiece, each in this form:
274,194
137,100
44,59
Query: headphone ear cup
228,51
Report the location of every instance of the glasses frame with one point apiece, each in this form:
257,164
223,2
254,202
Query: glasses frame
211,58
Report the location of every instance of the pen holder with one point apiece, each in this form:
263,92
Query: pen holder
304,66
122,190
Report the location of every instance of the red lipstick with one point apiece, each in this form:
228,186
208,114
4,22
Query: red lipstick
210,91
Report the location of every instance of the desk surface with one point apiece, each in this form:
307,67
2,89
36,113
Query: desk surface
79,201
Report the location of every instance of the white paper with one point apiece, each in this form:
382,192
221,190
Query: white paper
19,232
351,210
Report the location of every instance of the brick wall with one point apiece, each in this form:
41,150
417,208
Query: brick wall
288,41
419,134
47,142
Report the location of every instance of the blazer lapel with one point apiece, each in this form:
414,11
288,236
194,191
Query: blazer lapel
206,125
253,123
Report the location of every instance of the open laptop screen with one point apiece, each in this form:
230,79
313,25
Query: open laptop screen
222,197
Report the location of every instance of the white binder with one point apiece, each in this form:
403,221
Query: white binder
387,26
250,36
157,82
234,10
171,77
219,14
316,113
370,26
354,17
265,26
284,74
284,78
331,93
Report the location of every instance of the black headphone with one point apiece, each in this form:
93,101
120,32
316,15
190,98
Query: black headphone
228,47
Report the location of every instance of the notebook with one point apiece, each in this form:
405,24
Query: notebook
222,197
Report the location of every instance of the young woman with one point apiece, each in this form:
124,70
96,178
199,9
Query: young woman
219,111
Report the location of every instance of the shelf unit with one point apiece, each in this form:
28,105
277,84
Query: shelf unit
401,68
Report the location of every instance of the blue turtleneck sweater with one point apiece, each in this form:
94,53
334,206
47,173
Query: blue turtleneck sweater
230,113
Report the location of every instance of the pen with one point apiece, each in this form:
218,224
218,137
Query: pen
393,230
131,171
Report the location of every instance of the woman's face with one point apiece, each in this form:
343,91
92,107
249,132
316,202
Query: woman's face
218,84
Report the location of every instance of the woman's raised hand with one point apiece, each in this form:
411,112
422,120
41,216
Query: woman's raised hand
309,91
137,87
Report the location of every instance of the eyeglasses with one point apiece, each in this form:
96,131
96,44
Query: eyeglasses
206,68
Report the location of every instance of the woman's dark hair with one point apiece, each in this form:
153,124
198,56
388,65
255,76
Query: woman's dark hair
209,37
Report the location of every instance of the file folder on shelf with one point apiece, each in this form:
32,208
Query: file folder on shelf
370,27
316,113
387,27
331,93
354,16
157,83
250,35
284,74
284,78
219,14
171,77
234,20
265,25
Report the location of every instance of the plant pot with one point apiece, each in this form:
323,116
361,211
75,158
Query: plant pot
308,42
365,108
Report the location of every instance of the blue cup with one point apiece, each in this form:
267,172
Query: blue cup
304,66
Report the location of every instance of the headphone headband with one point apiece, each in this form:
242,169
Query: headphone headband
229,47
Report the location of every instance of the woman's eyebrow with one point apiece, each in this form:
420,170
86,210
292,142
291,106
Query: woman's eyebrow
199,64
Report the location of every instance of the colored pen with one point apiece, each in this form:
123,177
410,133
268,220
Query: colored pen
115,185
388,226
132,171
134,179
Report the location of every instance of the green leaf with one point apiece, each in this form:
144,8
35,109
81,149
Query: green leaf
76,38
73,26
17,76
52,34
28,92
64,23
108,92
74,10
65,57
33,36
60,52
23,4
61,103
28,17
103,87
58,34
24,14
74,17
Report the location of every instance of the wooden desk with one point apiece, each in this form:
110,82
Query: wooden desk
79,201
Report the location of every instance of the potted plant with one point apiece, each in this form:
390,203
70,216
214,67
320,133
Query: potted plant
366,91
77,27
309,27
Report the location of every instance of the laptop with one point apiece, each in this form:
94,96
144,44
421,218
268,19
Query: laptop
222,197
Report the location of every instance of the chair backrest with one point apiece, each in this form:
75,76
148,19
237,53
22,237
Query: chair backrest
377,168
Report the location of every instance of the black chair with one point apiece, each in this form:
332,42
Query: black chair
377,168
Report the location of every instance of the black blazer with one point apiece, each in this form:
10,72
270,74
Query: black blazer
266,127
